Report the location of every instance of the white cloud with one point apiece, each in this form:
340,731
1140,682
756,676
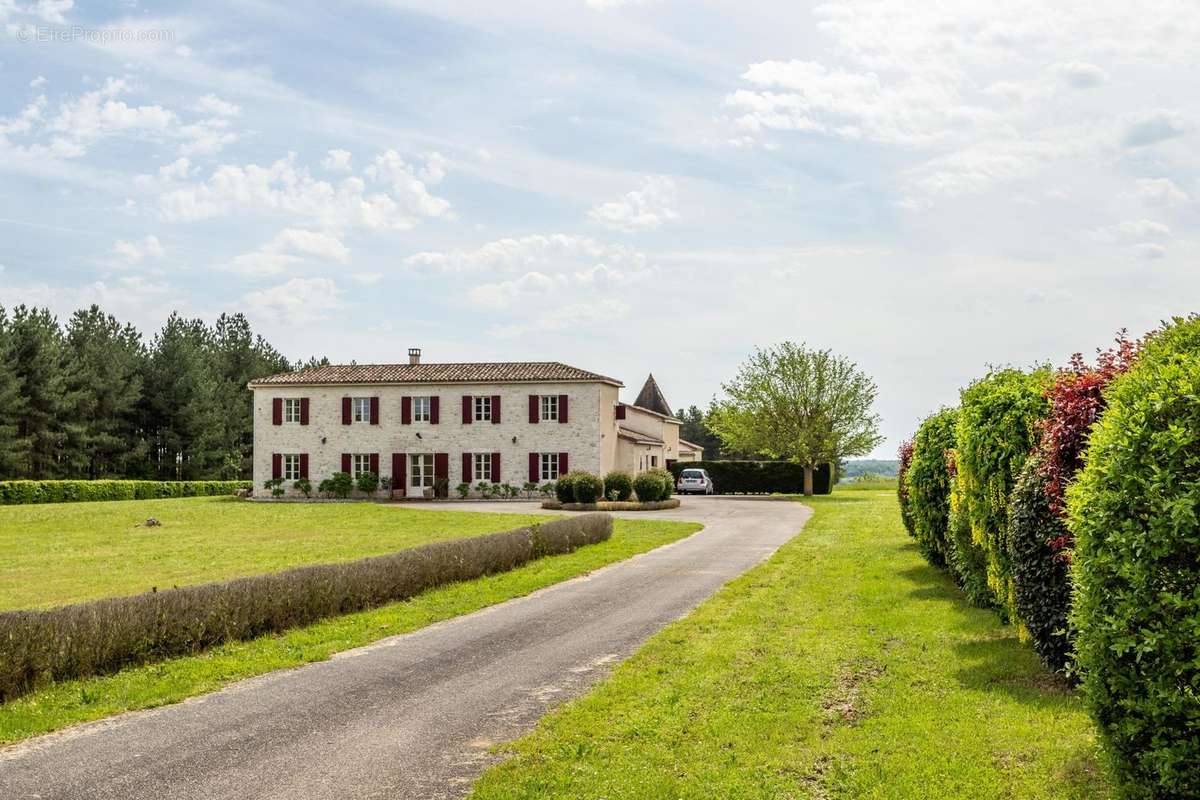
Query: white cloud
535,253
645,208
289,247
337,161
211,104
367,278
505,293
604,5
1082,75
38,82
1132,229
286,188
297,301
1151,127
54,10
132,252
1149,250
1160,192
574,316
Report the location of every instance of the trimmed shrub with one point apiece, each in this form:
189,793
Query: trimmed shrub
1041,588
339,484
648,487
904,460
619,483
998,424
1133,513
966,557
929,480
759,477
106,635
27,492
588,488
668,482
564,488
367,483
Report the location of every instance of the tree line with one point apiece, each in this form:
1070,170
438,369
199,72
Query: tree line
91,399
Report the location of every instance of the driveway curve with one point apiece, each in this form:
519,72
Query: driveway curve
411,716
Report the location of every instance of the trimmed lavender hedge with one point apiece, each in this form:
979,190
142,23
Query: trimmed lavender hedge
105,635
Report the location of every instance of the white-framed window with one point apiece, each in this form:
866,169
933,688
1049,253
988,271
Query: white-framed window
653,462
362,409
291,467
549,408
420,471
359,463
549,466
483,408
291,409
483,466
420,409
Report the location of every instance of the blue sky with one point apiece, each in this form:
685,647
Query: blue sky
625,186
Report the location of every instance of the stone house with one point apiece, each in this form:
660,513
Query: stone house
428,427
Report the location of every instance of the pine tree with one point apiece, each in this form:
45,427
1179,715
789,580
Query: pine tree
14,449
38,356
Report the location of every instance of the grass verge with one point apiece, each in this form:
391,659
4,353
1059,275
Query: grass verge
62,553
843,667
71,702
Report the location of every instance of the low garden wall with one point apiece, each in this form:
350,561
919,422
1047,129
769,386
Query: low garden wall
105,635
28,492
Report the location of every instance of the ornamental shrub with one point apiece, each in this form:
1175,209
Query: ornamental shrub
1042,591
1133,513
929,480
668,482
618,485
967,558
367,483
998,425
648,487
564,488
339,484
904,458
588,487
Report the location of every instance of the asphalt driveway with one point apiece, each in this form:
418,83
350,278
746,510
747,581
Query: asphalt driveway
410,716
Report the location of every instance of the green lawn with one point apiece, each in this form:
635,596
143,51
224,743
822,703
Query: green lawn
843,667
70,552
67,703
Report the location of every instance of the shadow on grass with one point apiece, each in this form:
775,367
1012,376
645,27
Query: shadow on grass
1001,663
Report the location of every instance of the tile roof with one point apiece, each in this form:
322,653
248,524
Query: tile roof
652,398
637,436
489,372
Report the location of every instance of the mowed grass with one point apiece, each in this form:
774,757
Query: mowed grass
71,552
843,667
71,702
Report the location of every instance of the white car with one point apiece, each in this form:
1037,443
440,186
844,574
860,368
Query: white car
694,481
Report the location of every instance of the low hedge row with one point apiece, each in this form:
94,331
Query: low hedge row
106,635
28,492
759,477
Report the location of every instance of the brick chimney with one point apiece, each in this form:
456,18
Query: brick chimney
414,355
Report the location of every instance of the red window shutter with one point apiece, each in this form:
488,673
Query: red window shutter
346,413
535,410
398,471
620,411
563,466
277,411
303,410
562,408
405,410
495,410
496,467
467,468
304,466
535,467
468,408
374,410
276,465
441,466
375,463
435,411
345,462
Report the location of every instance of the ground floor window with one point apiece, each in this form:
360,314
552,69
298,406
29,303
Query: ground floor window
291,467
483,467
360,463
420,471
549,466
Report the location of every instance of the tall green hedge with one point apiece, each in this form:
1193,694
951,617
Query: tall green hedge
26,492
997,427
758,477
967,558
929,482
1135,514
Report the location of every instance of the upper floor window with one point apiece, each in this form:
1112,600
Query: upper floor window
420,409
362,409
291,409
549,408
483,466
549,466
483,409
291,466
360,463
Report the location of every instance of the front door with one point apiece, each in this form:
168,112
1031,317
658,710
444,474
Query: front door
420,474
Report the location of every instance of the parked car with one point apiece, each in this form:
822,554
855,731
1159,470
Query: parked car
694,481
